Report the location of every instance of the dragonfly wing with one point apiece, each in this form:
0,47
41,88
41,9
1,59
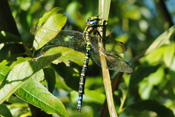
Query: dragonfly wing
113,62
71,39
115,47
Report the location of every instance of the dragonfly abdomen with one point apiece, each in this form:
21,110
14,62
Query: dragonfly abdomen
83,77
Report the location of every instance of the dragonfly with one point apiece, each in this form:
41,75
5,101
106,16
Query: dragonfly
87,42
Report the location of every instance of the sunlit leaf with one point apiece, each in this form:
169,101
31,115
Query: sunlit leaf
169,54
67,55
156,77
161,40
146,86
19,60
3,72
21,72
145,89
48,27
47,15
36,94
155,57
172,67
89,97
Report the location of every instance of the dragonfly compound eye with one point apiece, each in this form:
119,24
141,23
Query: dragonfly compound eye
93,21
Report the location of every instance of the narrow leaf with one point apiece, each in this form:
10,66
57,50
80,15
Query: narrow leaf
49,29
161,40
47,15
21,72
8,37
4,111
4,51
36,94
169,54
50,78
4,70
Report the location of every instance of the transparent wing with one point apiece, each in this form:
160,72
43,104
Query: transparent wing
74,40
71,39
115,47
113,62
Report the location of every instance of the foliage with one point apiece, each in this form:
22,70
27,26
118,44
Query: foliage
50,82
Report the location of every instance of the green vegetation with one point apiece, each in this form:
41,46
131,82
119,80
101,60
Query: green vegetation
33,85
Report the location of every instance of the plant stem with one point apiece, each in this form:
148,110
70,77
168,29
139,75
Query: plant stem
104,6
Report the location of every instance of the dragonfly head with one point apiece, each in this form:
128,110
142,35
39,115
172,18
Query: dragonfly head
91,21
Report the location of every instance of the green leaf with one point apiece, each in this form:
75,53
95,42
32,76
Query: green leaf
19,60
67,55
50,78
36,94
60,84
4,111
70,75
89,97
155,57
8,37
4,51
169,54
154,106
46,16
161,40
4,70
144,71
146,86
48,27
21,72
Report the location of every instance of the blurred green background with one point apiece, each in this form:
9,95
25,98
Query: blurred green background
147,92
